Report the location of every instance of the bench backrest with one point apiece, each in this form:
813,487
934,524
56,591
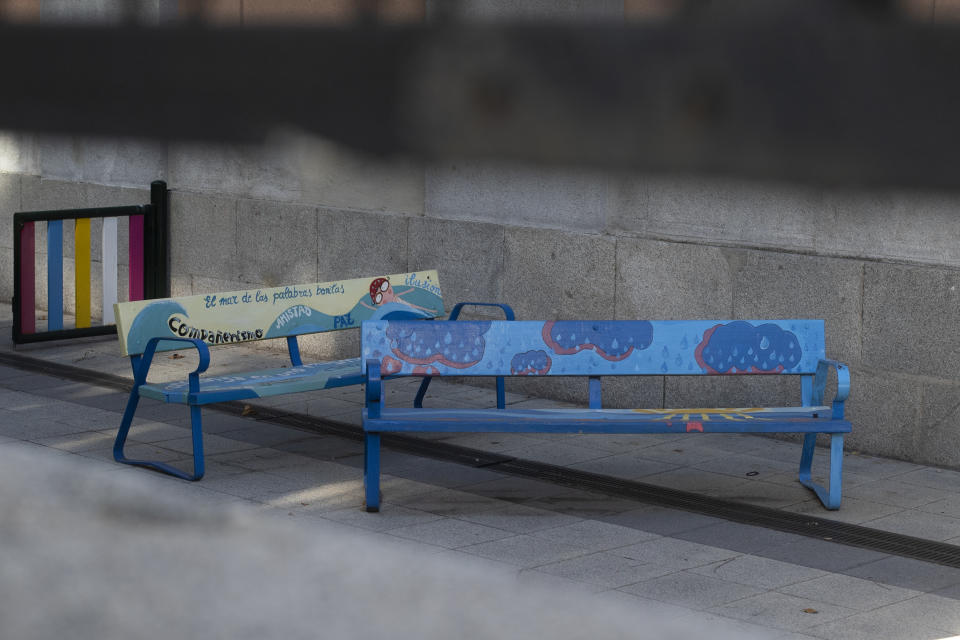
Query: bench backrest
259,314
595,348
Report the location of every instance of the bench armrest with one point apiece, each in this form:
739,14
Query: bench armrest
457,308
843,385
374,390
140,370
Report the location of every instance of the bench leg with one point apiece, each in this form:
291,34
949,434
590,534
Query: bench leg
371,471
120,442
830,496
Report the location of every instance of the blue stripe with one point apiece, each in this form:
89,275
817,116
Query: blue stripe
55,275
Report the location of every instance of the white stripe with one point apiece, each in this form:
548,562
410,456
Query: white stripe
109,268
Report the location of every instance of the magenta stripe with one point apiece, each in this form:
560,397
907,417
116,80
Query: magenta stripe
136,258
28,293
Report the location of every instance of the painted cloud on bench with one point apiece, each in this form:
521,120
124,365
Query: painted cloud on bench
530,363
423,344
740,347
611,340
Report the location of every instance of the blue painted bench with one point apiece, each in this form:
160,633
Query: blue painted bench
204,321
603,348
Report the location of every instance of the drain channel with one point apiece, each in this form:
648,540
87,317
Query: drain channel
806,525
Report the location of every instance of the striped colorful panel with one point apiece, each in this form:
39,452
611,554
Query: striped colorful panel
28,295
55,275
109,257
595,348
135,274
81,254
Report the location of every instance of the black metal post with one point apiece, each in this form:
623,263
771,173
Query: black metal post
17,229
157,283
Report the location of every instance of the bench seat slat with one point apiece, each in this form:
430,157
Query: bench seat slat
261,384
773,420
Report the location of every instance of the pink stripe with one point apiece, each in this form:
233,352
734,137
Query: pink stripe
136,258
28,294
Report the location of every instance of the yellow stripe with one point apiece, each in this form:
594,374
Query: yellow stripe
81,254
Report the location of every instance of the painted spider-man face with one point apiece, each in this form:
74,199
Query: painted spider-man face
378,288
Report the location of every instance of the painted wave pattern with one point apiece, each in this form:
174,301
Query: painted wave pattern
309,320
151,322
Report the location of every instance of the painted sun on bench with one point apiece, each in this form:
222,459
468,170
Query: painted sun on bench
686,415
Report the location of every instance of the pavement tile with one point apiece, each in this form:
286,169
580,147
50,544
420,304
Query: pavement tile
388,518
153,431
949,506
682,453
266,435
878,625
758,572
739,465
211,420
771,494
77,442
595,535
450,533
584,504
211,444
33,382
606,570
882,468
782,611
663,521
952,591
671,552
525,551
314,499
907,573
556,453
514,489
851,510
689,590
519,518
744,538
929,526
558,585
625,465
263,460
849,592
450,502
41,429
932,610
311,473
821,554
696,481
142,451
897,492
9,372
945,479
343,451
445,474
494,442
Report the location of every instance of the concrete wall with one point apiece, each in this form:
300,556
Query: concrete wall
882,267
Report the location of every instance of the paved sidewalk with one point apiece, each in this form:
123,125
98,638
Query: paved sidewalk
718,575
